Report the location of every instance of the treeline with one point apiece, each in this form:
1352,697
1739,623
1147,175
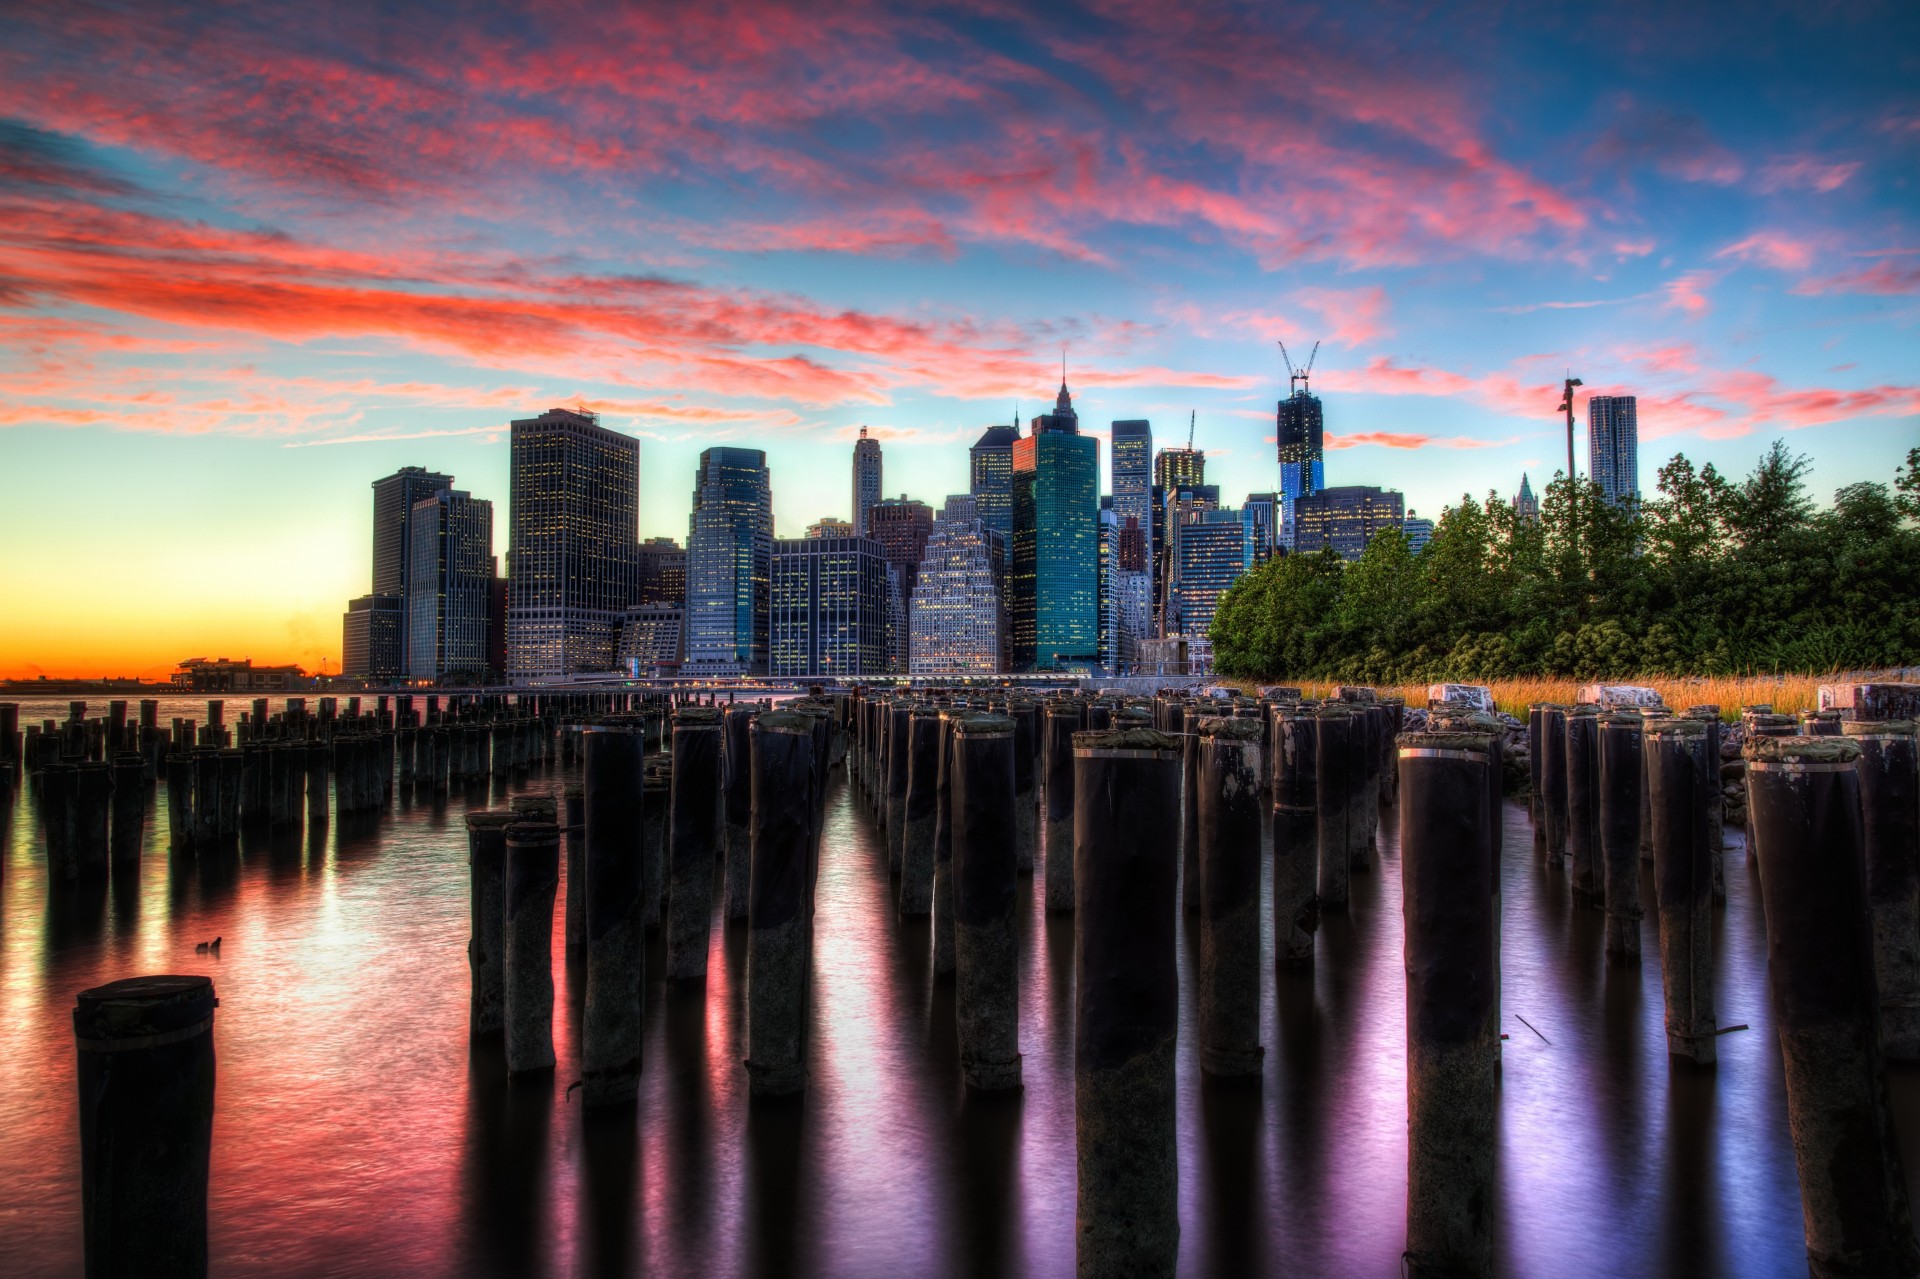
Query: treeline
1711,577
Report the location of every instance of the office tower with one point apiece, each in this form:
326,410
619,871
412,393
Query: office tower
653,640
901,526
1300,435
1613,446
1181,504
866,479
573,528
1157,565
729,563
1418,532
449,588
371,638
1210,555
1133,484
958,624
1345,519
660,573
829,607
1525,504
831,527
1261,515
990,467
1054,585
394,497
1180,468
497,622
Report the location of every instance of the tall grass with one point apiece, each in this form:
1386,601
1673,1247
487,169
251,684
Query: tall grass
1787,693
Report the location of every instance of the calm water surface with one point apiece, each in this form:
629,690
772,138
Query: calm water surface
356,1135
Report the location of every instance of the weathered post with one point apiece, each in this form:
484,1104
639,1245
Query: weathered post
1063,720
1536,806
1553,780
146,1075
694,835
616,931
1296,839
1333,744
1890,826
1583,804
206,796
533,874
1680,782
780,771
129,808
1805,794
316,767
1451,1034
1026,800
1230,896
1126,838
921,813
1621,773
93,818
943,957
1186,718
59,800
899,717
573,819
737,783
985,864
658,785
487,921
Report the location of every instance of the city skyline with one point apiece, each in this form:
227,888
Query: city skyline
234,296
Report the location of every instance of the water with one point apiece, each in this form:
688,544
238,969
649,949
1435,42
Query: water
355,1134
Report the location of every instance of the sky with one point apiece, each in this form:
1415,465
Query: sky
253,256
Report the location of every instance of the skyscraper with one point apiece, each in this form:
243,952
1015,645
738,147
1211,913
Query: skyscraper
661,573
1180,468
866,479
829,607
991,476
1210,554
1345,518
573,520
901,526
1418,531
1133,478
371,638
1054,586
1261,515
729,563
1613,446
1300,433
958,623
394,497
1525,504
450,587
831,526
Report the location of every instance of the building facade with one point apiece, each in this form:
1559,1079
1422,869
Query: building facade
1418,531
1345,518
829,608
958,624
1054,582
450,588
831,527
1261,515
1210,554
990,476
394,497
371,638
866,479
660,573
730,564
1132,485
1180,468
653,640
1613,446
1525,504
1300,436
573,520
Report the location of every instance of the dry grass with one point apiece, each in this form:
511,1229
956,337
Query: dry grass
1787,693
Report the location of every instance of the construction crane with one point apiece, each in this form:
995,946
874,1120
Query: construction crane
1299,377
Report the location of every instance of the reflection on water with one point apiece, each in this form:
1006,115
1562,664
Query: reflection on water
356,1133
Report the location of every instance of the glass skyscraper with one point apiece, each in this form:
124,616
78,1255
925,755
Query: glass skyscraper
573,521
829,607
450,587
991,477
1613,445
1346,518
1300,432
1133,485
729,564
394,497
1054,585
1210,554
866,479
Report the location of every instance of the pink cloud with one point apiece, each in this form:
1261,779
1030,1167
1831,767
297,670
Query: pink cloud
1687,293
1806,173
1771,249
1886,277
1350,317
1403,440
